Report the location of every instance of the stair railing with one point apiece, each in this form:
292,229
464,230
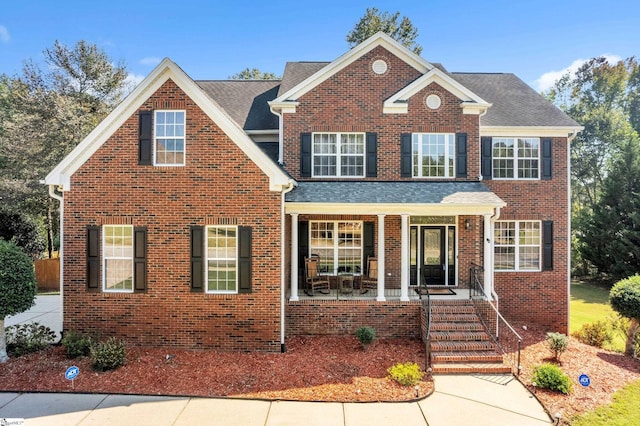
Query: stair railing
503,334
426,331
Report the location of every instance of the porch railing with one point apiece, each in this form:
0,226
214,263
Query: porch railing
503,334
425,312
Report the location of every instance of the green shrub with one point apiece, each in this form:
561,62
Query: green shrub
558,343
365,335
550,376
595,334
108,355
407,374
26,338
76,344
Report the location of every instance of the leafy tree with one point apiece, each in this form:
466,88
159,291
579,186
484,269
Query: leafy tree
375,21
254,74
21,230
17,287
625,299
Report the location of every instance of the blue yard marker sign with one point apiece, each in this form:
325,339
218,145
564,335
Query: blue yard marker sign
71,373
584,380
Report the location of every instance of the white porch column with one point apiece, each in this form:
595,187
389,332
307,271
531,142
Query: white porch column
404,259
380,297
294,257
488,256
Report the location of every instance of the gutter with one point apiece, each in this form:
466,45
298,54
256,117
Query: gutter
292,184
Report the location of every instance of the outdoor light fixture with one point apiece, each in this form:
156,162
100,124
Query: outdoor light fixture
467,224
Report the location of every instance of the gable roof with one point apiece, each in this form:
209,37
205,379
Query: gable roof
296,72
166,70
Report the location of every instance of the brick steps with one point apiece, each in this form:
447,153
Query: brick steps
459,342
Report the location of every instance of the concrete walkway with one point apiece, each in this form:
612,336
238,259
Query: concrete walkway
457,400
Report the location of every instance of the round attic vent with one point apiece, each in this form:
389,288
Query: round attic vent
433,101
379,66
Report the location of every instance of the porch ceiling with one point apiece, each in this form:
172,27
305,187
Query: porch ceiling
402,197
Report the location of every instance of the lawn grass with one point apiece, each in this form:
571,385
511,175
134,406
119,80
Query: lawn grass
623,410
590,303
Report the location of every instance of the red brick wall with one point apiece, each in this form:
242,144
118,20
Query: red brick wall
219,183
540,297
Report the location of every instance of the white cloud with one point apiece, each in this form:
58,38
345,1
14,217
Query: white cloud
150,60
4,34
548,79
132,81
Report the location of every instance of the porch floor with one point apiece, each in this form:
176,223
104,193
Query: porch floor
389,294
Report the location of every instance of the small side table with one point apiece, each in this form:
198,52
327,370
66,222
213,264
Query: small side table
345,283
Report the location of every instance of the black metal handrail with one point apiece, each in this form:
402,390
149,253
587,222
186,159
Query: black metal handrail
505,337
427,364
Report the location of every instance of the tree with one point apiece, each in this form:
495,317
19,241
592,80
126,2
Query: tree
17,287
22,230
254,74
625,300
375,21
44,114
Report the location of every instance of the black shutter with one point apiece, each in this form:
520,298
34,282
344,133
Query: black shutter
547,245
244,259
486,157
372,155
140,258
197,258
368,240
305,155
546,159
461,155
93,257
303,243
144,139
405,155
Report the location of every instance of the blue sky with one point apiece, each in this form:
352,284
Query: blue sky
215,39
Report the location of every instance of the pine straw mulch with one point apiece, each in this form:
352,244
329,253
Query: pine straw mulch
328,368
608,371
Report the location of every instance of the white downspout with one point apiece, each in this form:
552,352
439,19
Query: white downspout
283,224
60,198
280,135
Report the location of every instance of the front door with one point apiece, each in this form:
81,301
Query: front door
432,255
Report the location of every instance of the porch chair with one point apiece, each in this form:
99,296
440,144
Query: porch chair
370,280
314,281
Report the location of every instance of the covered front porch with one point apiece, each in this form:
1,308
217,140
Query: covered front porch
422,235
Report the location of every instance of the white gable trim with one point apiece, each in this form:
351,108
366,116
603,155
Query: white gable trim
378,39
166,70
471,103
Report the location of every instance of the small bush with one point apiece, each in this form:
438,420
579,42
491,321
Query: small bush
558,343
76,344
550,376
595,334
26,338
108,355
407,374
365,335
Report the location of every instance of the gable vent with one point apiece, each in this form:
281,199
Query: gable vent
379,66
433,101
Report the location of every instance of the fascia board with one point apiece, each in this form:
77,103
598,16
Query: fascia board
378,39
392,209
166,70
530,131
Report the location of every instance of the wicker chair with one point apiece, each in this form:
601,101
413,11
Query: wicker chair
314,281
370,280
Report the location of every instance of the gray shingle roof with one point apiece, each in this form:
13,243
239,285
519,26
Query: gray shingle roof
404,192
296,72
514,102
245,101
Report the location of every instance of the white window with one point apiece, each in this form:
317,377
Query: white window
433,154
516,158
338,154
169,138
118,258
338,244
222,264
517,245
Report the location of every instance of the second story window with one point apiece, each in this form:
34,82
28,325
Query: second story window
338,154
433,155
169,138
516,158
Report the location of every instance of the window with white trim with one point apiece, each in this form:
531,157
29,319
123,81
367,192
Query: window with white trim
433,155
117,249
169,139
516,158
222,263
338,244
517,245
338,154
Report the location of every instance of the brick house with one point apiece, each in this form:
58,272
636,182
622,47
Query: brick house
187,214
